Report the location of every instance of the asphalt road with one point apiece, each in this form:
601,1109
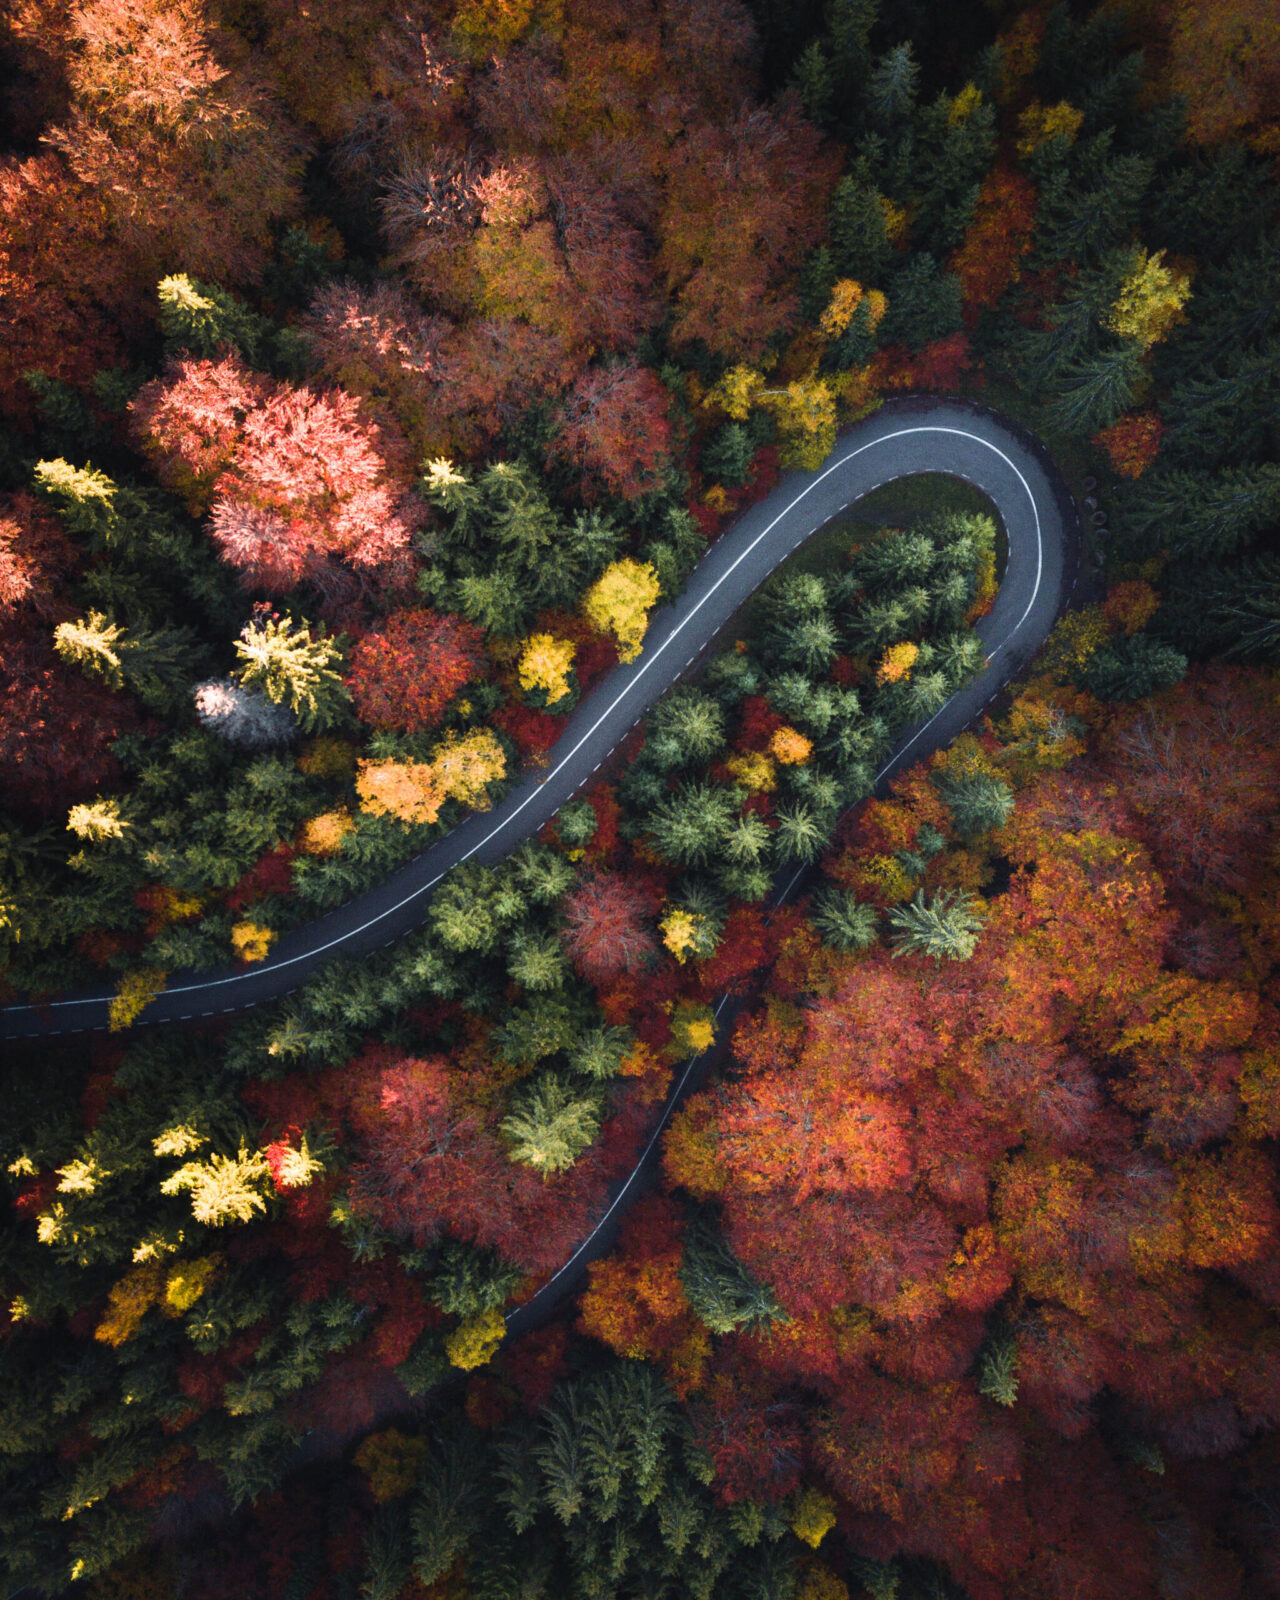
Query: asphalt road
903,438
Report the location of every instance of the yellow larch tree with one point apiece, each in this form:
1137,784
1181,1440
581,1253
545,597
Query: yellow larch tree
251,941
322,835
135,992
474,1342
224,1188
128,1301
813,1515
467,763
681,932
97,820
754,771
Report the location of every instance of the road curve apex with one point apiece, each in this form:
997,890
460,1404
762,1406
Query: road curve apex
903,438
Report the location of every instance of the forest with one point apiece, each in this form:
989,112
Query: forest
374,379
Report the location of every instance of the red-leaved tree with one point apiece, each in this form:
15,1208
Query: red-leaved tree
404,673
614,430
608,929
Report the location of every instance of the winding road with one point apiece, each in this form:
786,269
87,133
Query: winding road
904,438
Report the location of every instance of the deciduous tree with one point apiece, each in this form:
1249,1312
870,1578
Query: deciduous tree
404,673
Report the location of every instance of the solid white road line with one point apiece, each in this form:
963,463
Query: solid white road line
649,658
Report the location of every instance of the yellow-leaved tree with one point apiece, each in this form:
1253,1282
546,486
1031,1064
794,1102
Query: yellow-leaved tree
1150,301
462,766
847,295
1038,124
805,412
128,1301
135,992
754,771
224,1188
97,820
681,932
737,392
545,664
251,941
693,1029
322,835
474,1343
186,1282
790,746
813,1515
409,790
619,602
897,662
467,763
805,409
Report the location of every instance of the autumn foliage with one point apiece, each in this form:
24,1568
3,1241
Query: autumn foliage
1050,1145
405,672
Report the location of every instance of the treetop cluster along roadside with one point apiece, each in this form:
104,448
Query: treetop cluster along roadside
955,564
396,400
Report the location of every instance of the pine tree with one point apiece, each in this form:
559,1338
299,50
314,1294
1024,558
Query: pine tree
748,842
720,1289
552,1124
472,906
998,1371
536,960
690,827
890,91
801,834
206,320
517,1470
1096,391
1090,202
1199,514
559,1454
843,922
849,25
1133,668
599,1054
727,455
860,245
947,927
467,1280
388,1553
1237,615
814,80
1221,417
978,802
685,727
955,144
446,1511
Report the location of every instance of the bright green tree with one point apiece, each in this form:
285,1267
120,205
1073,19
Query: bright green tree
844,922
691,826
947,927
551,1125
